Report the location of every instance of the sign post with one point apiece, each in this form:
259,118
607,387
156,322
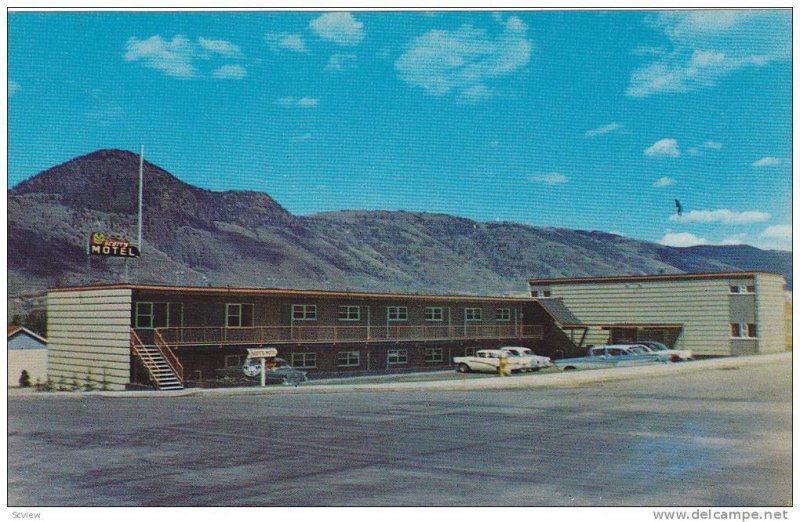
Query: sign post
262,354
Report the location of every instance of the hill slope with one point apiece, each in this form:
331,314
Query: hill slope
195,236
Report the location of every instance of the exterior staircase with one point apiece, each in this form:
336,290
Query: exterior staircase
161,373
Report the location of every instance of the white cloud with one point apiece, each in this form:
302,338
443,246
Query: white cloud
340,28
173,57
682,239
474,94
605,129
465,60
713,145
13,87
665,147
723,215
177,57
778,232
230,72
341,62
778,237
553,178
709,44
287,41
767,162
304,102
222,47
664,182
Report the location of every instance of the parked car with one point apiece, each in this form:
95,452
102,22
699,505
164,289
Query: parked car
531,361
278,371
674,355
609,356
488,361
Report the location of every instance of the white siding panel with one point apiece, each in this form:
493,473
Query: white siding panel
770,313
89,330
702,306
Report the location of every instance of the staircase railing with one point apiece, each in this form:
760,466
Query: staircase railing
168,355
147,359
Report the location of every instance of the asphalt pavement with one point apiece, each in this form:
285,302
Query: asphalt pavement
719,435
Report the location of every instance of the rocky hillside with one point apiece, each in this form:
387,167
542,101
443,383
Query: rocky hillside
197,237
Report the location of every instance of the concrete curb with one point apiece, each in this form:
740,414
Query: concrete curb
517,382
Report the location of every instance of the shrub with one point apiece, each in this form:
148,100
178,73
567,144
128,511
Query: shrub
24,379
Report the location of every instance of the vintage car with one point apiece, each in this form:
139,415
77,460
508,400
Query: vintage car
531,361
488,361
610,356
278,371
674,355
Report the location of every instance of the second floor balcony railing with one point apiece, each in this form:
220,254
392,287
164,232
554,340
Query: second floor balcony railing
257,335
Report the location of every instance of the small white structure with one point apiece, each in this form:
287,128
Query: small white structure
26,351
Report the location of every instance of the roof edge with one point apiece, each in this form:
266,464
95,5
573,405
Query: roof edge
283,291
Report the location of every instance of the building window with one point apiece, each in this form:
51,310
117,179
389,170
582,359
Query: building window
473,314
144,315
238,315
304,360
397,313
348,359
744,330
534,293
233,361
735,289
750,289
433,313
304,312
158,315
504,314
434,355
546,293
397,357
349,313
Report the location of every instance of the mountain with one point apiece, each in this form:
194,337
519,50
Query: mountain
196,237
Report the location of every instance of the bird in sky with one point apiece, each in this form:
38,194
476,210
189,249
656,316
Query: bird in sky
678,208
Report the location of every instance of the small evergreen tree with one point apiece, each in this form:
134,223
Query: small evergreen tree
104,382
89,384
24,379
75,384
62,384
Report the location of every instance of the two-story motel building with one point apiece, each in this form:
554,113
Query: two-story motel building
170,337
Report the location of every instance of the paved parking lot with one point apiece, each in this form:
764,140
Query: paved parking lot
718,437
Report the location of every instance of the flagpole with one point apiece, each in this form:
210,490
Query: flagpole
141,167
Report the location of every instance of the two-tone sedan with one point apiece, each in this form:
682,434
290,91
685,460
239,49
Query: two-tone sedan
610,356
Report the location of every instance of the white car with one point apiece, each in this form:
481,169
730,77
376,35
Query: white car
674,355
531,361
488,361
610,356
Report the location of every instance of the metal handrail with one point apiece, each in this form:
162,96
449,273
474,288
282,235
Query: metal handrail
169,356
202,335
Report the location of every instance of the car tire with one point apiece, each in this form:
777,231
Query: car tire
462,368
569,369
534,369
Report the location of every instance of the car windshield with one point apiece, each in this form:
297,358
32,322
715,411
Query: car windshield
637,350
658,346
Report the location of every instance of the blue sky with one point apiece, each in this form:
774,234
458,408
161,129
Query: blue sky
587,120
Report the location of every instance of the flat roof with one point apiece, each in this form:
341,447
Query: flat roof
654,277
286,292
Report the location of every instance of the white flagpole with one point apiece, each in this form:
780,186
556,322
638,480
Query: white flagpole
141,167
